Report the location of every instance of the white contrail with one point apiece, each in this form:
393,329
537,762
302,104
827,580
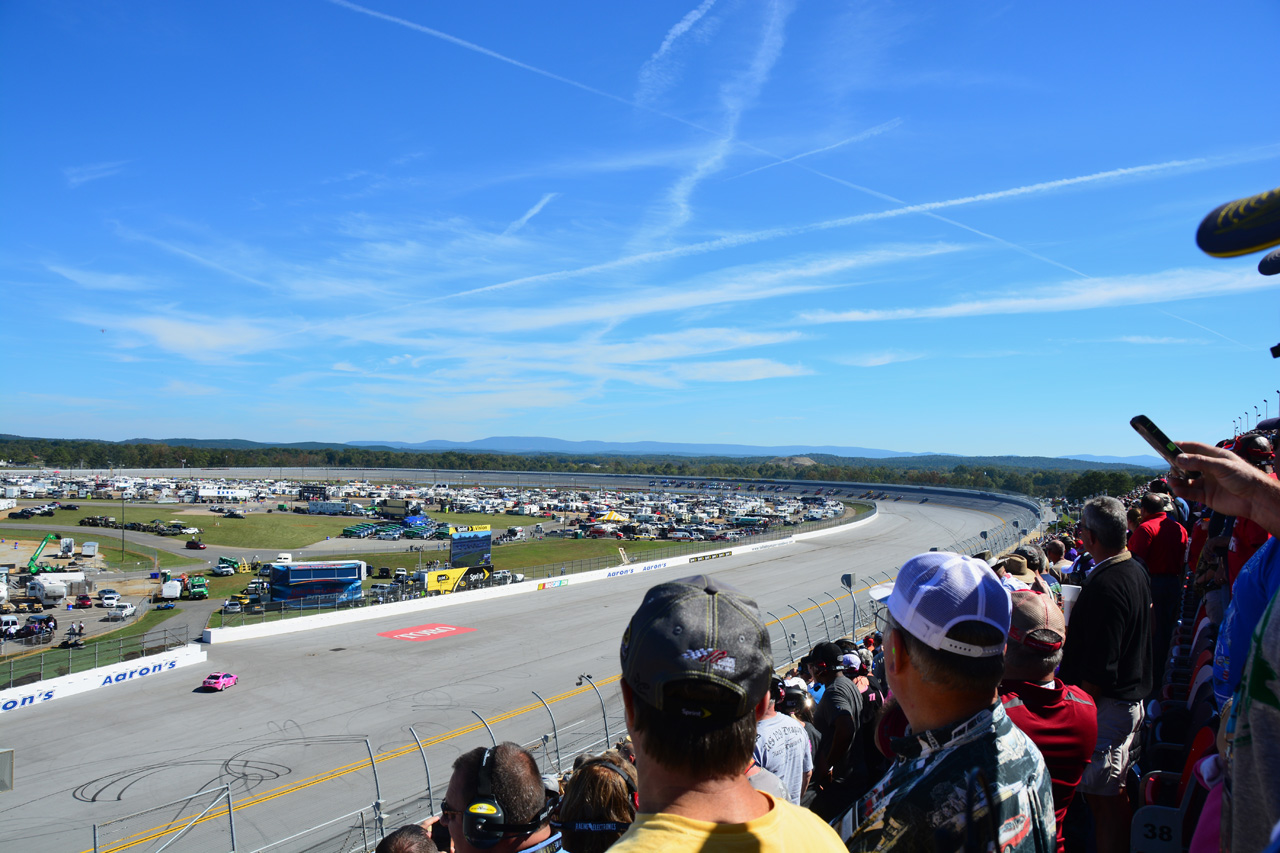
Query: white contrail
796,230
652,76
866,134
960,225
492,54
682,26
346,4
130,234
734,99
529,214
1167,286
1206,328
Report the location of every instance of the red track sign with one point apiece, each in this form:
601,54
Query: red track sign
420,633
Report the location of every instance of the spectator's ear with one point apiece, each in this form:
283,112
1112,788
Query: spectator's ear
895,653
762,706
627,706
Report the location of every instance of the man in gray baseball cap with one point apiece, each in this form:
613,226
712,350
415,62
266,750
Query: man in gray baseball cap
964,776
696,662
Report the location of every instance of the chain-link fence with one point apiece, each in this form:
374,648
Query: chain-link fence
71,658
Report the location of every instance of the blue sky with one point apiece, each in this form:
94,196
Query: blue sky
956,227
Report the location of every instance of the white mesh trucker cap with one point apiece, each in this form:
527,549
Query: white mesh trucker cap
935,591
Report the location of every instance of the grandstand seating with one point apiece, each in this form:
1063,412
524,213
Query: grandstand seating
1180,732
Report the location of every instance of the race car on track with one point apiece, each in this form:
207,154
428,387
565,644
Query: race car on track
220,681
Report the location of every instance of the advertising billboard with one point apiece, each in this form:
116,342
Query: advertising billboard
472,548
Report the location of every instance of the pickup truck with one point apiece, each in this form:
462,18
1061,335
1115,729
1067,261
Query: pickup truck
122,611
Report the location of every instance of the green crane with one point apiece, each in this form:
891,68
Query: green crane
31,564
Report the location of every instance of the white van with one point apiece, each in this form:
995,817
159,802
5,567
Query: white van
9,620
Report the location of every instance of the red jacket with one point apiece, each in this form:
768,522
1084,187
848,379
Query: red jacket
1062,722
1161,543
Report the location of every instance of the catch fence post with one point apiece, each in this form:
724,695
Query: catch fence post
805,624
486,726
840,612
603,713
555,731
377,788
785,636
430,803
825,627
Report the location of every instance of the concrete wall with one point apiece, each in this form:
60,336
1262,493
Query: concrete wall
35,695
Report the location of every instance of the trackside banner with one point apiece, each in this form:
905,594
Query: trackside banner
113,677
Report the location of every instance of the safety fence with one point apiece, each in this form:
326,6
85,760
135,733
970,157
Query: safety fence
71,658
310,607
377,788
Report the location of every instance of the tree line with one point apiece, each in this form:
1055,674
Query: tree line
932,471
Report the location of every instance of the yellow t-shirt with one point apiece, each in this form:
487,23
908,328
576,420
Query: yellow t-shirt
784,829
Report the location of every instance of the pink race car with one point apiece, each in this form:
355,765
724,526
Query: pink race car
220,681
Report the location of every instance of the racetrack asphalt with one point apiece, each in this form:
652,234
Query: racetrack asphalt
289,739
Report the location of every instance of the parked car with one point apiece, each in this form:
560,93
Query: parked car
107,591
109,599
219,681
222,571
83,601
195,545
231,606
123,610
234,514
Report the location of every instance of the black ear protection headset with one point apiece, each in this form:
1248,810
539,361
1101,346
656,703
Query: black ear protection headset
777,689
483,821
603,826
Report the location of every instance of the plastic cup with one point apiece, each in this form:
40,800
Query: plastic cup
1069,595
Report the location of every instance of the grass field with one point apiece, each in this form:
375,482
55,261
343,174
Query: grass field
258,529
515,556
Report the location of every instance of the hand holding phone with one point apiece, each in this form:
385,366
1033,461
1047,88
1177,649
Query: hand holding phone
1166,448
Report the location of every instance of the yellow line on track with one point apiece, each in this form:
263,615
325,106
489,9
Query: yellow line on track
172,827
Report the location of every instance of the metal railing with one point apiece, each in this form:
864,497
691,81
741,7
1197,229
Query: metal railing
23,670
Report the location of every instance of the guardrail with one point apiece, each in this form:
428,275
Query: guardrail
385,788
21,671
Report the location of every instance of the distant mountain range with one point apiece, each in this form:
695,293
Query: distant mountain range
536,444
517,445
1144,461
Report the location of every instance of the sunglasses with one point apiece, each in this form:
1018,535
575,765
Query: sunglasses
448,812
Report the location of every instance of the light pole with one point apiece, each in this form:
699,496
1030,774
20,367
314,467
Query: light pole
122,528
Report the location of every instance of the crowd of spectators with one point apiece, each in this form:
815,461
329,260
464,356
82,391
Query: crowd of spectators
995,693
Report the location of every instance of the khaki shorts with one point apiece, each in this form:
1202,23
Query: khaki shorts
1117,747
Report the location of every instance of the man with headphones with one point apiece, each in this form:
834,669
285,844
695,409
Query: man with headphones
496,801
